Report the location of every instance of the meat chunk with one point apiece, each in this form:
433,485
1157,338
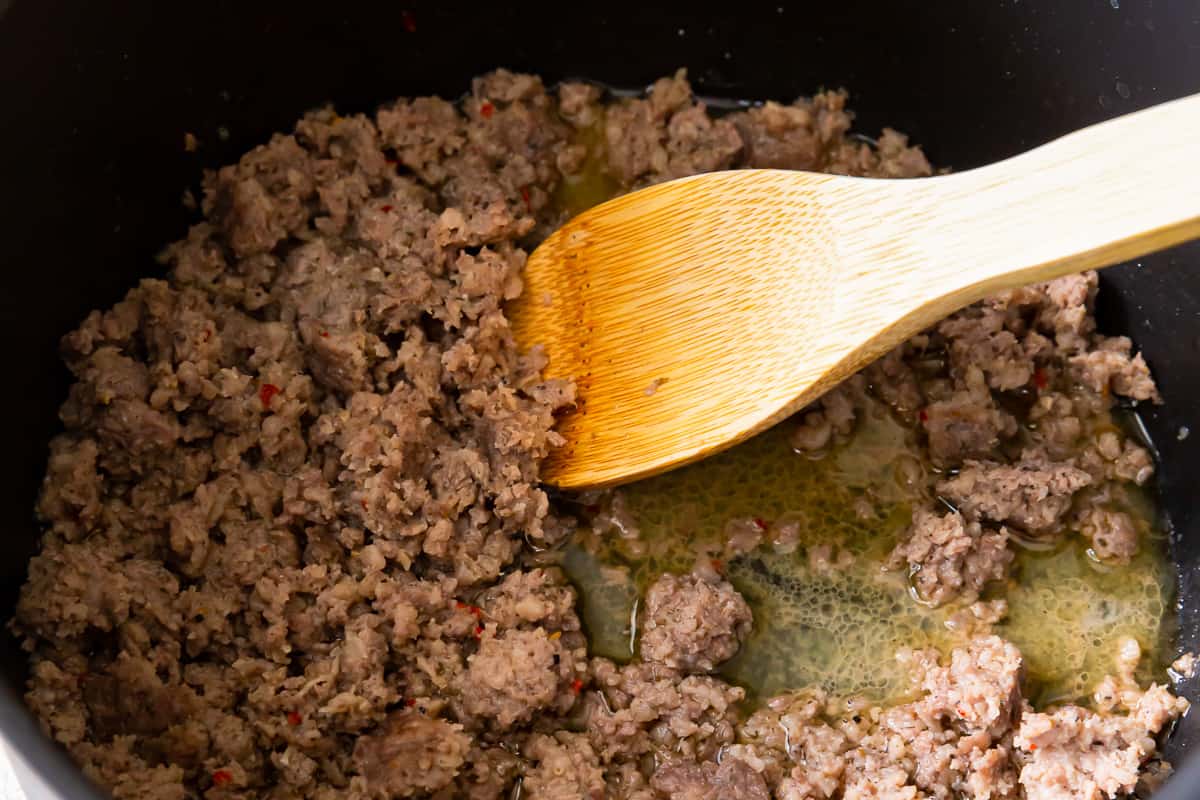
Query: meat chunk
132,776
980,337
1112,534
833,415
579,103
978,618
732,779
1111,366
71,496
979,690
409,754
648,708
894,380
697,143
1113,457
565,767
1060,309
76,588
780,137
892,157
533,597
490,772
955,734
967,424
952,741
1034,494
693,624
130,698
1185,666
810,134
1075,753
1058,425
666,135
635,131
513,675
423,132
263,198
948,556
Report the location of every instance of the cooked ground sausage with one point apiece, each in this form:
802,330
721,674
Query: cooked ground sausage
693,623
295,543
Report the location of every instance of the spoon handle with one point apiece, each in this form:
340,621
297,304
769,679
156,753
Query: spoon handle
1099,196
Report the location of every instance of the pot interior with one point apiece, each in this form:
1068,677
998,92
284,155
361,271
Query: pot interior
101,95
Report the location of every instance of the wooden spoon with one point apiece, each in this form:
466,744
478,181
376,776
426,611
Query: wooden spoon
695,313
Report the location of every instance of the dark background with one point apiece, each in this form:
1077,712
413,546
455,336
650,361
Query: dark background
96,98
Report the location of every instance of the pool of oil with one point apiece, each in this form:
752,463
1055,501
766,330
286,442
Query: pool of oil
841,629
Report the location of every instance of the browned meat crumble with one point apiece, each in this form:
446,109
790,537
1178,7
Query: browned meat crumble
693,622
295,545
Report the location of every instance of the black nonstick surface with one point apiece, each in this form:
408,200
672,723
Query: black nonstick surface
95,99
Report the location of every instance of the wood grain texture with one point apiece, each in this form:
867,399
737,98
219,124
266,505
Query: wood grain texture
695,313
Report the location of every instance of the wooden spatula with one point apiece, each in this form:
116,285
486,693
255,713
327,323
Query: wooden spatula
695,313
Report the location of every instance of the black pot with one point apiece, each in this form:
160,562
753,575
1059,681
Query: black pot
97,98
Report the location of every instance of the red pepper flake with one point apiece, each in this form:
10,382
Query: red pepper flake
525,197
486,109
1040,380
385,209
222,777
474,610
268,391
294,718
924,415
478,631
718,566
961,712
324,334
760,523
1032,747
576,686
408,21
410,702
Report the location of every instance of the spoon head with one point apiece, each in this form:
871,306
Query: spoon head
691,315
